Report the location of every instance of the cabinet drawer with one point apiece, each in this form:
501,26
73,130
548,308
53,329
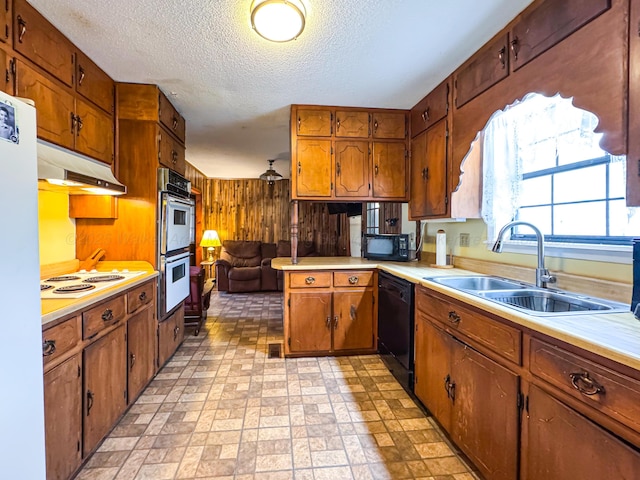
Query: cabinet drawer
353,279
171,152
389,125
310,279
94,84
60,339
504,340
102,316
313,122
430,109
140,296
170,118
610,392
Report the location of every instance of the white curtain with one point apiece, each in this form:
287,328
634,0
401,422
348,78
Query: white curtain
502,173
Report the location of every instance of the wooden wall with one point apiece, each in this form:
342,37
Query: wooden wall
251,209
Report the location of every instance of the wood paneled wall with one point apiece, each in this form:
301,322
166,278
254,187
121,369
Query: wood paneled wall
251,209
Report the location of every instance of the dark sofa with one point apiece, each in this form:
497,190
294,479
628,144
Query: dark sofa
245,266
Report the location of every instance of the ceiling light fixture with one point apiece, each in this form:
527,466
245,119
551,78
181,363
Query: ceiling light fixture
278,20
271,175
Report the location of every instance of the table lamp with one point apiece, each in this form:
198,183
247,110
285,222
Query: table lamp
210,240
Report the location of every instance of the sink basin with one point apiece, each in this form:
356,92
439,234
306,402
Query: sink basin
479,282
540,301
529,298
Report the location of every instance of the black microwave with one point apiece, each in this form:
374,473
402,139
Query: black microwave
393,247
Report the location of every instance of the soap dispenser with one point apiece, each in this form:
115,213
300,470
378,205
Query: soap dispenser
635,298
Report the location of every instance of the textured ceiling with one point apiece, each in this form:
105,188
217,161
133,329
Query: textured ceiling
234,88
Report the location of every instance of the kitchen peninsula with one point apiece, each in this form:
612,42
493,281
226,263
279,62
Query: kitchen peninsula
513,382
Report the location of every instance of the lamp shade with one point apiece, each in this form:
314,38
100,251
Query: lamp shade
278,20
210,239
271,175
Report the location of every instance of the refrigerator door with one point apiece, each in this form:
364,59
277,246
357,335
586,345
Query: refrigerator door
22,415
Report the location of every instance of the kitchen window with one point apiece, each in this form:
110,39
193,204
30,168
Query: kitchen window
543,164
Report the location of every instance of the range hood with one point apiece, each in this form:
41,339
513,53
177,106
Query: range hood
62,170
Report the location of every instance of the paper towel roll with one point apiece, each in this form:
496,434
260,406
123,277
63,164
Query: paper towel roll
441,248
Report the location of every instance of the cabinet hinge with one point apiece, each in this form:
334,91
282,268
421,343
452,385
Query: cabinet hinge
288,302
446,200
78,446
289,341
520,401
13,66
331,185
331,150
447,105
446,133
6,30
373,300
79,371
125,393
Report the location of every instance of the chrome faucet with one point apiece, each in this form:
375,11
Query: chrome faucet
542,274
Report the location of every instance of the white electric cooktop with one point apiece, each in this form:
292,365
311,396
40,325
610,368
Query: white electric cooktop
79,284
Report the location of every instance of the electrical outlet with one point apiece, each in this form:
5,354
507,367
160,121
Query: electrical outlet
464,239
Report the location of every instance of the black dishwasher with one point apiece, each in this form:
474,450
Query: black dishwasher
396,327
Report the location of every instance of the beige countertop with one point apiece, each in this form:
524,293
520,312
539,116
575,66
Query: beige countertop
55,309
615,336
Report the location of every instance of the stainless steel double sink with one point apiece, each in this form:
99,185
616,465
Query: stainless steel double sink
529,298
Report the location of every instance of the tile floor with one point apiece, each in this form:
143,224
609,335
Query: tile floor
221,409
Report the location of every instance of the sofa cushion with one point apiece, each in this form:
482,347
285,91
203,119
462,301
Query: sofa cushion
241,253
245,274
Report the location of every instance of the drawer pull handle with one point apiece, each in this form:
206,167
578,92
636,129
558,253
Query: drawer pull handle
175,123
89,401
23,28
132,360
309,280
48,347
454,317
81,76
353,279
335,321
329,322
450,388
425,115
107,315
585,385
502,57
142,296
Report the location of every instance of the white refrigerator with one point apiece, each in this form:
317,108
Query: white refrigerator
22,403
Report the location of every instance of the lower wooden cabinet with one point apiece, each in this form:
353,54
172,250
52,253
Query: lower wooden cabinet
330,313
63,418
563,444
474,398
105,385
170,335
141,358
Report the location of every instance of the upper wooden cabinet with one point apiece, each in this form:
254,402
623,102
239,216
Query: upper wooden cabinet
391,125
5,22
313,122
94,84
147,102
171,153
42,43
550,22
94,132
431,108
336,154
482,71
350,123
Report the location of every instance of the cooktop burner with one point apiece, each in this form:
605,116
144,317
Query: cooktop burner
45,287
104,278
81,287
64,278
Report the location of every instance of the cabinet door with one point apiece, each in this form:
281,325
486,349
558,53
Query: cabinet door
433,369
310,322
313,168
54,105
141,351
172,153
94,84
6,75
430,109
5,22
170,335
352,169
314,123
562,444
353,124
485,414
42,43
389,170
353,319
418,202
170,117
63,418
94,132
105,380
436,172
389,125
548,24
483,70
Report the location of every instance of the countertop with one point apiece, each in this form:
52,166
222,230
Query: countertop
55,309
615,336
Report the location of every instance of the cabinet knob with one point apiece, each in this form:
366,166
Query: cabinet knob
375,169
338,169
337,124
299,168
107,315
81,75
454,317
175,333
143,296
584,384
335,321
425,115
175,123
353,279
309,280
375,126
132,360
79,123
329,322
502,57
89,401
48,347
515,47
23,28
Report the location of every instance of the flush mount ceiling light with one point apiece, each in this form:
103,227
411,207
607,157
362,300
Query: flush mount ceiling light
278,20
271,175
